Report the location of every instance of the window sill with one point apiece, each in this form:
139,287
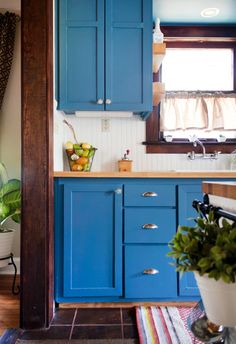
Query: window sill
182,147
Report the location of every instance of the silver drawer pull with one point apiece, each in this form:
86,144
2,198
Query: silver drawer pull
150,272
149,194
118,191
150,226
108,101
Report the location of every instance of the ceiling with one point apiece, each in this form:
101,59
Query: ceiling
187,12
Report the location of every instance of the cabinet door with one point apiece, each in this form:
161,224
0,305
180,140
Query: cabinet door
129,55
187,193
81,54
92,262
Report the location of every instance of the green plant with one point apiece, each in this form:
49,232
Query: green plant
208,248
10,198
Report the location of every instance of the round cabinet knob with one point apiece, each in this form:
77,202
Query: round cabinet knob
108,101
150,272
100,101
118,191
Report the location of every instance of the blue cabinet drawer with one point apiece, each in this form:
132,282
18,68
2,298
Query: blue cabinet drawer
149,195
151,225
140,261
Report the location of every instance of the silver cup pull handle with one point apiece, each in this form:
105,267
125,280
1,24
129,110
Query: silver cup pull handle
150,226
100,101
149,194
150,272
118,191
108,101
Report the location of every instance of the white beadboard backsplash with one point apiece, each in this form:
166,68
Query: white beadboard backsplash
124,133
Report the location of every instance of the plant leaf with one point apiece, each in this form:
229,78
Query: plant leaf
3,174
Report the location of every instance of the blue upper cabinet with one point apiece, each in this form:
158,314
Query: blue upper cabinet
105,55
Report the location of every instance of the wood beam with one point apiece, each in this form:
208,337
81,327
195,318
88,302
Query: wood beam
36,304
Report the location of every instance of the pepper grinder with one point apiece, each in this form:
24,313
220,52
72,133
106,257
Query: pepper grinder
125,164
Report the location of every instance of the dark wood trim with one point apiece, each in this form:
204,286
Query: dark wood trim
36,303
182,36
227,32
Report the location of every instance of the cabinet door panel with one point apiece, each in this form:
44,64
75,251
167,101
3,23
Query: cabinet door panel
92,241
82,10
187,193
81,65
127,66
81,54
138,258
125,11
129,55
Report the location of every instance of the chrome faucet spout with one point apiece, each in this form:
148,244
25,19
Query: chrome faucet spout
192,155
196,141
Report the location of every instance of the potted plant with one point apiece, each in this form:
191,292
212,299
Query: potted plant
209,250
10,208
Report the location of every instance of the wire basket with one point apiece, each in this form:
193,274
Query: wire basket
80,158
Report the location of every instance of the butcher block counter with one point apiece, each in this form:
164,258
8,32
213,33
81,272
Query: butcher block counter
157,174
222,189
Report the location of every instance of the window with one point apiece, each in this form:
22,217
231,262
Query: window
199,73
203,69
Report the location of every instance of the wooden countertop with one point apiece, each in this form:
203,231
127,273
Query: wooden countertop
160,174
222,189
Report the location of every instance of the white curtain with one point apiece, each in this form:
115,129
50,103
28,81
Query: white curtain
197,110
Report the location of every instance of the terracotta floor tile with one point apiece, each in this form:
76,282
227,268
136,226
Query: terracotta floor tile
129,316
63,317
54,332
130,331
97,332
98,316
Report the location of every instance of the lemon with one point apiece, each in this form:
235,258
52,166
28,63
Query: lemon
86,146
68,145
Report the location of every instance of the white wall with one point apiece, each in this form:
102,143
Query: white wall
124,133
10,116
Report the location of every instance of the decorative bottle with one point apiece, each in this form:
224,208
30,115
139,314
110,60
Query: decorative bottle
158,36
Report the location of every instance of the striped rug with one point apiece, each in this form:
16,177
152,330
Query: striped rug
164,325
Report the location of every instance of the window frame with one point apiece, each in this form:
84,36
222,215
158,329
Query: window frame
190,37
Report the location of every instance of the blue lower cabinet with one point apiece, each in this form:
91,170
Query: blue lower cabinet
148,273
188,285
112,235
92,240
186,195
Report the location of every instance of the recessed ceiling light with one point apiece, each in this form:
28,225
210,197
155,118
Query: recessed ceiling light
210,12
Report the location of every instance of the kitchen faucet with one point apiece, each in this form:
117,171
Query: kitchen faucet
192,155
196,141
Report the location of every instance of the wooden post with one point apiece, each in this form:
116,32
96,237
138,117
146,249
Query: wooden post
36,305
